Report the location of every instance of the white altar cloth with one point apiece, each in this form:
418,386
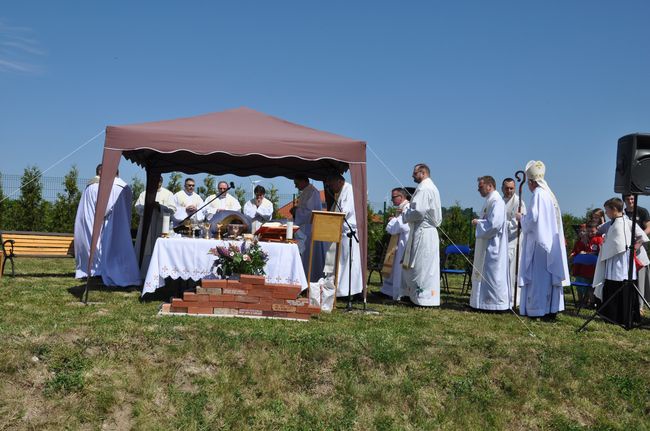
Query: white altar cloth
188,258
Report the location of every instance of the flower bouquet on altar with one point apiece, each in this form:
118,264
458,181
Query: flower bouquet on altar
249,258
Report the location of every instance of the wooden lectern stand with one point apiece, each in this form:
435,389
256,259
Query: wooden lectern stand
327,226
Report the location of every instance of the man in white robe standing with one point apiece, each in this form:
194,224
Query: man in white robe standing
399,231
344,202
543,270
421,263
490,276
83,230
164,206
259,209
308,200
225,202
187,202
118,264
512,206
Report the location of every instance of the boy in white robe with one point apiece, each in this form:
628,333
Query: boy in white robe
612,268
421,262
513,201
490,277
396,227
543,270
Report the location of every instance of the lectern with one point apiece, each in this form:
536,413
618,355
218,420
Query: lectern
326,226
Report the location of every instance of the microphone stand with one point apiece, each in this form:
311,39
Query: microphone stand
231,186
351,234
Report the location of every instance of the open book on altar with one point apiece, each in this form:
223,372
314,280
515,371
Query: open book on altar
274,231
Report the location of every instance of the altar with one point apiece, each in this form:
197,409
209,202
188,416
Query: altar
188,258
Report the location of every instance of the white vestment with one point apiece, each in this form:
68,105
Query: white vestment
543,270
491,272
83,231
118,265
345,200
512,205
223,202
165,199
260,214
613,258
421,262
392,285
182,200
309,200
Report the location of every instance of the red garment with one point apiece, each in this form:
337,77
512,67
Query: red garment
593,247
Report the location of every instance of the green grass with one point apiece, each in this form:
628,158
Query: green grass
115,364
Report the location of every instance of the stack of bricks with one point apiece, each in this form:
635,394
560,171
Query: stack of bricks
249,296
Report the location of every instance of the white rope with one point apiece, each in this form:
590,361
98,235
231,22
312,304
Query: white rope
55,164
449,239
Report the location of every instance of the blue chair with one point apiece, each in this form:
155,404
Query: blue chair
466,272
586,260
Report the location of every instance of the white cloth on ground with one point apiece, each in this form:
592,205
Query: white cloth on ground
491,273
421,262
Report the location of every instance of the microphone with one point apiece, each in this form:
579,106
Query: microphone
232,185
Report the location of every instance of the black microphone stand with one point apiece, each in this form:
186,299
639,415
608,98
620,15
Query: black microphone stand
205,204
352,234
628,287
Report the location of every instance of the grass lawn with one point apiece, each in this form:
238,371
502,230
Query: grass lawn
115,364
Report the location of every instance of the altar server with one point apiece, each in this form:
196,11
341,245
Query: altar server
399,231
259,209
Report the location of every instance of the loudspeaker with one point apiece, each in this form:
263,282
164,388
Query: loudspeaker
633,165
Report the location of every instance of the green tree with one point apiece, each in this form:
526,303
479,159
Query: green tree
30,202
64,210
137,186
456,226
174,184
240,194
273,195
209,186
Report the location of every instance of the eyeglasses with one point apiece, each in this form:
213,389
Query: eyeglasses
189,185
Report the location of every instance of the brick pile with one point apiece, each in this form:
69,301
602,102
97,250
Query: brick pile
249,296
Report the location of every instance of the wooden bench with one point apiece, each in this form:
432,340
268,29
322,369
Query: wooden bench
34,244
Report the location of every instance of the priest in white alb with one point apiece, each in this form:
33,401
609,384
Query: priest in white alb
309,200
187,202
490,275
222,201
118,265
259,209
421,263
344,202
399,231
543,270
512,201
164,206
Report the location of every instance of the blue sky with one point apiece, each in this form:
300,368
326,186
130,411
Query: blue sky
469,87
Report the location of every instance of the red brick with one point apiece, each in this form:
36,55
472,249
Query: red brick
252,279
199,310
166,308
214,283
284,307
208,291
300,302
231,304
190,296
286,293
224,297
178,309
180,303
247,299
265,306
225,311
275,314
261,292
203,298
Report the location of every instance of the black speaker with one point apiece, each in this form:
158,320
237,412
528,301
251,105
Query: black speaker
633,165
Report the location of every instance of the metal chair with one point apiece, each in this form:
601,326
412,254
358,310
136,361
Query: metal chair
586,260
457,250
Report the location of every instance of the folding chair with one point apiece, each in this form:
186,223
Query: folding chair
456,250
586,260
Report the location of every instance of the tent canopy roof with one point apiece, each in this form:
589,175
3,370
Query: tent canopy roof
239,141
